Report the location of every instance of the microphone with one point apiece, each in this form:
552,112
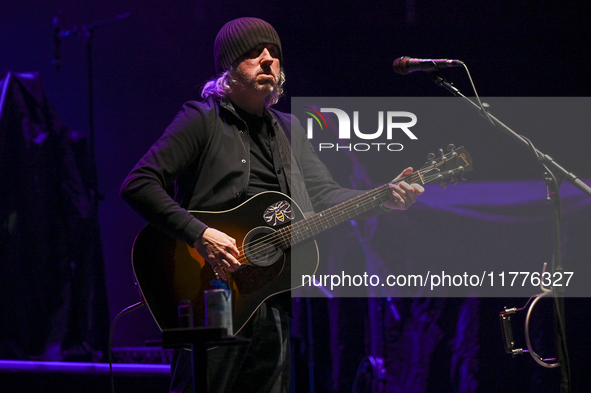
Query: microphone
57,40
405,65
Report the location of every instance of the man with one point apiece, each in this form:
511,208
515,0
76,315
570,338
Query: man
217,154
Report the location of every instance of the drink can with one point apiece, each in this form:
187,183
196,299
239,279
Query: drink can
218,307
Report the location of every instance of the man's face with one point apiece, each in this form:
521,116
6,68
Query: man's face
258,70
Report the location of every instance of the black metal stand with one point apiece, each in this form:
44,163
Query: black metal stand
87,32
553,182
553,177
199,339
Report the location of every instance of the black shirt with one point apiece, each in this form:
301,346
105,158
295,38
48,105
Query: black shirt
262,171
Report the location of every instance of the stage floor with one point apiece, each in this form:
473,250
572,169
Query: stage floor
12,366
63,377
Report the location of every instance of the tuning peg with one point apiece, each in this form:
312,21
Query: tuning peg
441,153
443,185
451,147
430,156
461,170
454,180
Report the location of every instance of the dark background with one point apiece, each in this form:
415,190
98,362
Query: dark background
147,66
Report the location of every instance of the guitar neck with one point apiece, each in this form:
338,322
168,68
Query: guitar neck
320,222
348,210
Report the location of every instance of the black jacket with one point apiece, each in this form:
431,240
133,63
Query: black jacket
205,154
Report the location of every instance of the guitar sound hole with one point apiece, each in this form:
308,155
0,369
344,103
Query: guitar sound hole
261,247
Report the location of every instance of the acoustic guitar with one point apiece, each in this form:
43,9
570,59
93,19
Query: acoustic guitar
268,228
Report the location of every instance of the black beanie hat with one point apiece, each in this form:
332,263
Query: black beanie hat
238,37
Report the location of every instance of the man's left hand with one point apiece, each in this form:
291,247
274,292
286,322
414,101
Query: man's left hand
403,194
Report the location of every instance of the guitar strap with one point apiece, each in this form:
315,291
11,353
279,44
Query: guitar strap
295,180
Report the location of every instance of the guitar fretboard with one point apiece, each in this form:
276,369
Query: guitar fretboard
320,222
305,229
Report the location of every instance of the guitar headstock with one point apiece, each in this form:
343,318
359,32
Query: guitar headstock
448,167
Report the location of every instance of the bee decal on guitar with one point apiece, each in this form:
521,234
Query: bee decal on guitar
278,213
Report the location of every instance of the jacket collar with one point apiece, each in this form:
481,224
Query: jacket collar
228,105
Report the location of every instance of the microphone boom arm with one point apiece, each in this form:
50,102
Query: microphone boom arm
544,159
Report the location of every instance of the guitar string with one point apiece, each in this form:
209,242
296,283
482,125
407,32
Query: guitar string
322,222
317,221
353,204
282,236
279,236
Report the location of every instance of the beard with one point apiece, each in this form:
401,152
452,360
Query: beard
262,81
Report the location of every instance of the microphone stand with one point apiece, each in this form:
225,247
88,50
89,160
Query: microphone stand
87,31
553,176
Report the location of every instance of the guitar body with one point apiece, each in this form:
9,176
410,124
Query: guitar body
169,271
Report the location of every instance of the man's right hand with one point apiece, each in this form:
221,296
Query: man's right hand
219,250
